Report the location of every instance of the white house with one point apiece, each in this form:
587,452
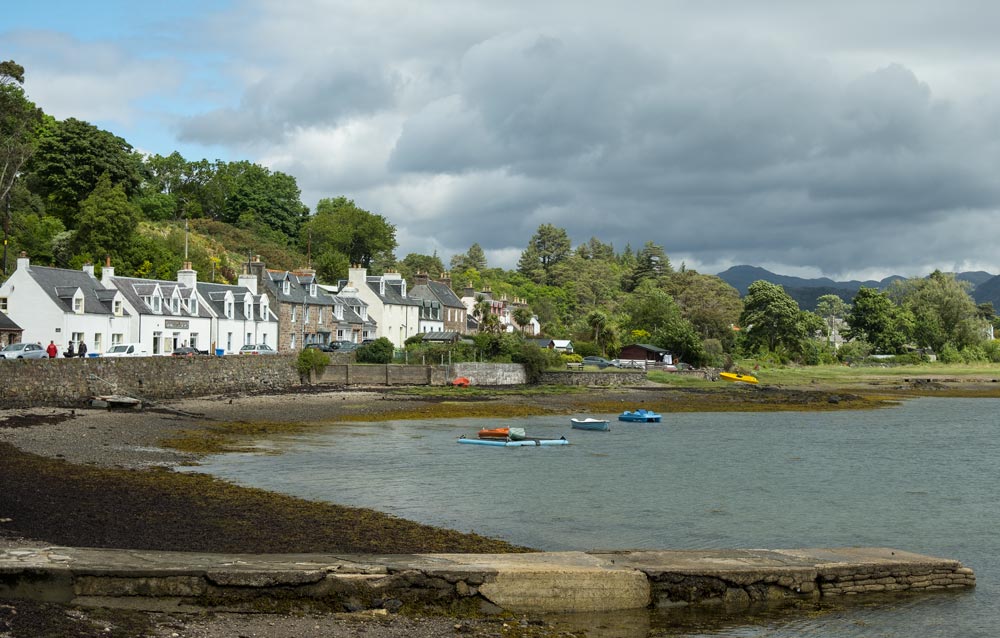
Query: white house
397,317
241,316
65,306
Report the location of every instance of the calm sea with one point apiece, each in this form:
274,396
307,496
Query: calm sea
920,477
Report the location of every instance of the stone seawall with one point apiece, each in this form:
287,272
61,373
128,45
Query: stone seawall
521,583
586,377
67,382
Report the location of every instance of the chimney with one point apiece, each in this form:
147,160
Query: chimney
445,279
248,280
420,279
89,268
469,290
357,276
188,276
107,273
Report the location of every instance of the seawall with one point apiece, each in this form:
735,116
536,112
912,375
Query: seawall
539,582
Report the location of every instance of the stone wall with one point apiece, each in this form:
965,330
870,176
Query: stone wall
585,377
69,382
490,373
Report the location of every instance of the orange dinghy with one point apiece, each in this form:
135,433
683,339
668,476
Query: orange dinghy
514,434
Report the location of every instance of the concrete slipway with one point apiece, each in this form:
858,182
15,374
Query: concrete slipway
538,582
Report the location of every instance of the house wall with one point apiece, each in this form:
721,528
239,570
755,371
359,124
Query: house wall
260,332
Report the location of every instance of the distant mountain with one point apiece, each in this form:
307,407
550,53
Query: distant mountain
807,291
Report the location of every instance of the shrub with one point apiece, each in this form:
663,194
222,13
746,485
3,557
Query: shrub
378,351
569,358
536,360
311,360
950,354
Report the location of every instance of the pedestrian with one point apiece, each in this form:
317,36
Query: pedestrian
52,350
83,349
70,353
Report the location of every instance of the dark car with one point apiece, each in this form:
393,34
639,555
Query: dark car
322,347
600,362
187,351
346,346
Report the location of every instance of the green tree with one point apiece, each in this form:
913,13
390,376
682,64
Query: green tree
651,310
107,221
263,201
942,309
522,317
651,262
341,227
474,258
874,319
415,264
71,157
709,303
547,247
771,318
19,121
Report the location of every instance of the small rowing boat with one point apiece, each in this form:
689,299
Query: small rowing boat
738,378
515,434
640,416
598,425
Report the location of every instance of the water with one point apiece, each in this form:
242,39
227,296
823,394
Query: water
920,477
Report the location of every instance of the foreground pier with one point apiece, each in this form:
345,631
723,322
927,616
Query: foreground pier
538,582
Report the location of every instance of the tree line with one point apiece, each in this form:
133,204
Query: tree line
76,194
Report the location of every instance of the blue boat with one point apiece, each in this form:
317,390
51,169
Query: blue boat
640,416
599,425
530,442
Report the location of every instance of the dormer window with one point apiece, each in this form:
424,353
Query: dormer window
263,308
193,306
312,290
118,307
78,303
338,311
175,306
286,287
247,309
230,308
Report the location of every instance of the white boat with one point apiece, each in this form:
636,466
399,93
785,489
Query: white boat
600,425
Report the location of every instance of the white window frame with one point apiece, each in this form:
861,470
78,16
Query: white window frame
117,338
3,305
78,304
295,313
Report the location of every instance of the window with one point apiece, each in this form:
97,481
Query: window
118,307
3,305
78,304
249,338
319,316
263,308
193,306
194,339
312,290
175,305
230,309
97,342
157,342
295,313
229,342
247,310
76,337
293,342
338,312
305,317
117,338
286,287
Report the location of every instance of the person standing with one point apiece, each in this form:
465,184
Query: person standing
52,350
83,349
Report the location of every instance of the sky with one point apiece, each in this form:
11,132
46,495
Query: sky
846,139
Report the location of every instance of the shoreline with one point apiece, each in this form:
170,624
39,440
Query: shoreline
93,468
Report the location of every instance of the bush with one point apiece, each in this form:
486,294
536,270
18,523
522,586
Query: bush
311,360
569,358
950,354
586,349
854,351
536,360
378,351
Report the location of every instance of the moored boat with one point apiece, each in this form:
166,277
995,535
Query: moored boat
528,442
741,378
640,416
599,425
515,434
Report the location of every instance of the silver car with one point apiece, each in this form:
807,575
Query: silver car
24,351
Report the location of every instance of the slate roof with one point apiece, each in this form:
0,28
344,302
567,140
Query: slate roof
650,348
298,289
7,324
437,291
447,336
134,289
393,292
61,283
215,296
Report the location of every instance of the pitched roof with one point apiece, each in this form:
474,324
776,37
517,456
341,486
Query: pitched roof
393,293
649,348
215,296
298,288
60,284
7,324
437,291
134,290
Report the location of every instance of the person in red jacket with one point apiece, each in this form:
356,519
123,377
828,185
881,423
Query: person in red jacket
52,350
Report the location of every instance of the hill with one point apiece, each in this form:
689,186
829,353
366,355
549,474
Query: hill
986,287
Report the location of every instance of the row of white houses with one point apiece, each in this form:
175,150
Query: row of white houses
283,309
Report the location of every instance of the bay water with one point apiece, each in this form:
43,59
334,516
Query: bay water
920,477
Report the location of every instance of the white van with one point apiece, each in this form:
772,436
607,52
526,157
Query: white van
125,350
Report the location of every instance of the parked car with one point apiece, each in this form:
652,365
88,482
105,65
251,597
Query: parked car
322,347
600,362
24,351
126,350
187,351
259,348
346,346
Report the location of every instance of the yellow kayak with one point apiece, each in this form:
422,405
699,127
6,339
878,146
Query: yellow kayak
732,376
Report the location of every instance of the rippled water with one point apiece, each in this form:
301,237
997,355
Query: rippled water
920,477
